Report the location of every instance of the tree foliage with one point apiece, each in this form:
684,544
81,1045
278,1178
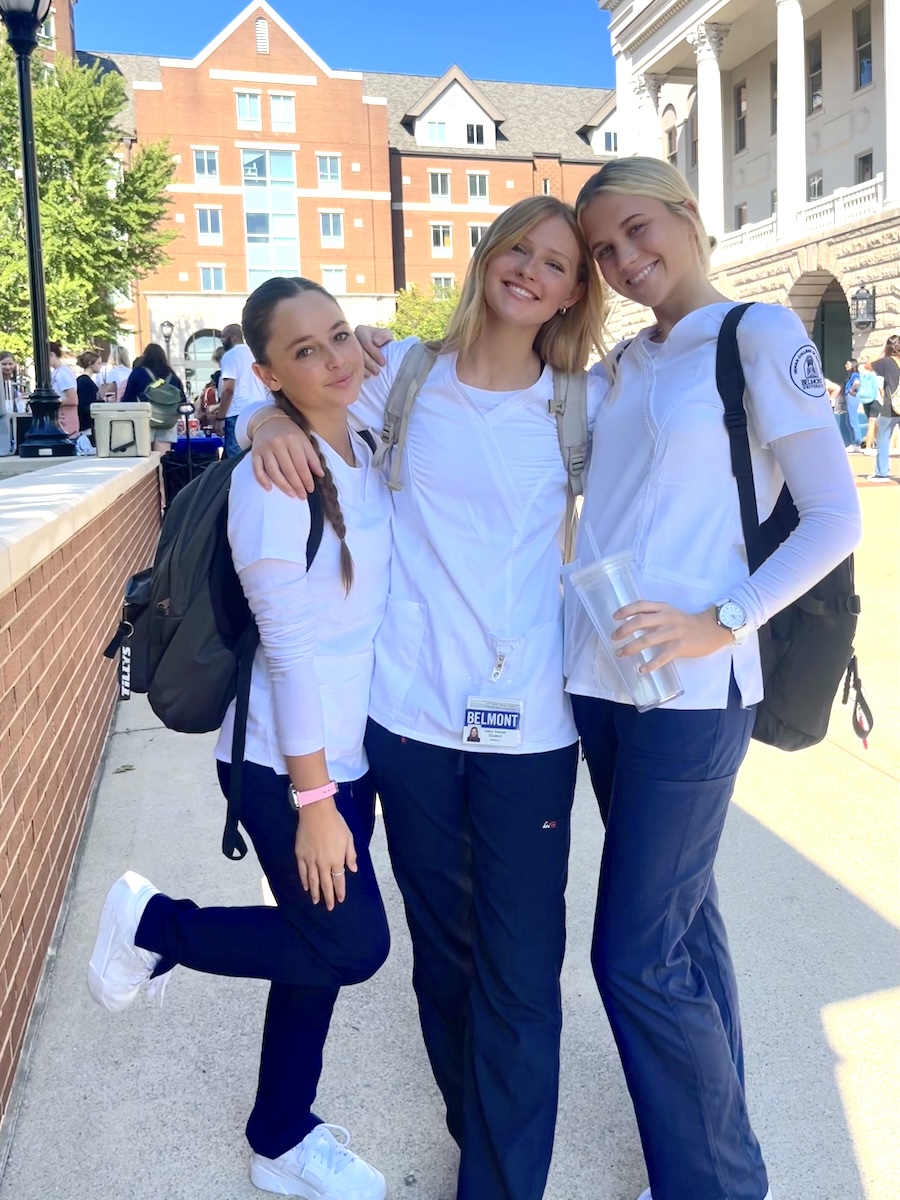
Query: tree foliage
421,314
100,220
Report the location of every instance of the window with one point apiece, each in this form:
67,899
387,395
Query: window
270,215
283,119
334,280
206,164
329,170
862,43
773,98
814,75
694,133
437,132
545,187
209,226
672,145
441,241
476,233
332,228
740,118
439,186
443,285
212,279
475,135
46,34
773,201
478,187
610,142
262,35
249,110
815,186
740,216
864,167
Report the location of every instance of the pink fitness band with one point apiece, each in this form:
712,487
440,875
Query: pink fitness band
299,799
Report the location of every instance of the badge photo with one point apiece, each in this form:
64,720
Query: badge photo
490,722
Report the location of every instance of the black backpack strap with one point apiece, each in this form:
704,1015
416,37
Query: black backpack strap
233,844
731,383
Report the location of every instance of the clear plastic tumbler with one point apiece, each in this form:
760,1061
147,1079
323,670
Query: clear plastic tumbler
603,588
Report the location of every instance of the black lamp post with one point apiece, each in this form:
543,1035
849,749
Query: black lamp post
166,328
23,19
862,309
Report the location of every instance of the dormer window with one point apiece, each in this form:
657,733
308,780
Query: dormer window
437,133
475,135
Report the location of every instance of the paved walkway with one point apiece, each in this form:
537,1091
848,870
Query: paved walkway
150,1104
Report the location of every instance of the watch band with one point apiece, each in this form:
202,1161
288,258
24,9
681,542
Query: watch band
311,795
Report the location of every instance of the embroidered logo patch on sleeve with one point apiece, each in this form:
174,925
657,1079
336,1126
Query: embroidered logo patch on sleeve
806,371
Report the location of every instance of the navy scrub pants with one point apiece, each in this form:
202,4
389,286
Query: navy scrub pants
663,780
479,844
307,952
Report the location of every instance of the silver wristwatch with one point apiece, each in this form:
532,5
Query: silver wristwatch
732,617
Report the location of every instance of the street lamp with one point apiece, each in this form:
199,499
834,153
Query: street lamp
166,328
862,309
23,19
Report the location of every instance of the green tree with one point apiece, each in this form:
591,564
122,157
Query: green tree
423,315
100,221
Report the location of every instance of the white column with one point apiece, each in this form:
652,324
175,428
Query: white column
626,118
790,139
891,84
708,40
648,131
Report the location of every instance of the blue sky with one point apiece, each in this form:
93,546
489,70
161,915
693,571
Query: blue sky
538,41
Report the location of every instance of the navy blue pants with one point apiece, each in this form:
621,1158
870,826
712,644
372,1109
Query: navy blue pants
479,844
660,954
307,952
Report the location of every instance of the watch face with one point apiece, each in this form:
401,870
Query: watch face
731,615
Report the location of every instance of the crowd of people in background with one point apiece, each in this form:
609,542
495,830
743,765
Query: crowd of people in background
866,407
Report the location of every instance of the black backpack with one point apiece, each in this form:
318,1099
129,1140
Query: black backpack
187,637
807,648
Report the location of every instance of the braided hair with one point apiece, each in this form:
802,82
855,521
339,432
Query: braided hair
256,320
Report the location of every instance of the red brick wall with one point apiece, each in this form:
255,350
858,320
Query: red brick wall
56,699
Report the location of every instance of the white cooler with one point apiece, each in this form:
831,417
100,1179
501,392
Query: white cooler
121,430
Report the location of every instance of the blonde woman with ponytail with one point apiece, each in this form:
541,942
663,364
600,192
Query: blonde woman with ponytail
478,824
660,486
308,800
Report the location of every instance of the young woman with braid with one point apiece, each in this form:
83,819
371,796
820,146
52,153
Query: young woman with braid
308,799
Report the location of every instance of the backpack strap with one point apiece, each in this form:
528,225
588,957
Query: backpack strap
233,844
569,406
411,374
731,384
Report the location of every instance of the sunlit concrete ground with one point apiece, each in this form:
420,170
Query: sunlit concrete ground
150,1104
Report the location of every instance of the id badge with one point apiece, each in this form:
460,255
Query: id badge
492,722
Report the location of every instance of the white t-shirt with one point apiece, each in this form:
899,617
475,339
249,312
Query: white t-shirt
660,484
312,672
478,531
114,375
237,364
62,378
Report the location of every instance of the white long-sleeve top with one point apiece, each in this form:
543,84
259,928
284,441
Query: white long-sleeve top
660,484
313,669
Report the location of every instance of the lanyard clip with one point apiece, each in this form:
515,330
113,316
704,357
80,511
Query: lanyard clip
498,667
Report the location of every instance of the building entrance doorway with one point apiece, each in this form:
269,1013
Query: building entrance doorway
820,303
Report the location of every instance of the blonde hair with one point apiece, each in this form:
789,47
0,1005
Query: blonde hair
654,178
118,357
567,339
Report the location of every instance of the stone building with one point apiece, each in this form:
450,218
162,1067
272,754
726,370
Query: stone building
776,110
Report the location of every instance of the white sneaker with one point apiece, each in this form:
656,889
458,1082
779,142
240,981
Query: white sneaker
118,968
319,1168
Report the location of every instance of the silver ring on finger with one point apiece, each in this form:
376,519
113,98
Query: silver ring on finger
338,874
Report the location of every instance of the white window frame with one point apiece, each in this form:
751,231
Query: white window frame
328,154
483,226
331,241
437,197
476,199
436,133
46,33
248,122
741,108
474,126
212,267
859,48
810,181
610,141
438,288
284,126
205,151
327,268
812,91
209,239
441,251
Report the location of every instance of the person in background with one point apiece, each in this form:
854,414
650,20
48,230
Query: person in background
849,427
869,396
888,368
153,365
62,379
209,397
86,387
113,375
238,386
8,372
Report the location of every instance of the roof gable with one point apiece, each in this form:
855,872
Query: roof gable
454,75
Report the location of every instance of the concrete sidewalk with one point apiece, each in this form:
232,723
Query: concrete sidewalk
150,1104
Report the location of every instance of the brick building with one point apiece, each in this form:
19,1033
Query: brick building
366,182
